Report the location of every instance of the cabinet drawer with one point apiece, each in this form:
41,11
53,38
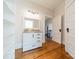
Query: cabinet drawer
28,35
38,41
31,46
38,34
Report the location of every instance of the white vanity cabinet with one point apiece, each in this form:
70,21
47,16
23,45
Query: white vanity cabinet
32,40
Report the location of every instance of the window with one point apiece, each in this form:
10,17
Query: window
28,24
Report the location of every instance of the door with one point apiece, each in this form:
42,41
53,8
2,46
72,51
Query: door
57,29
70,28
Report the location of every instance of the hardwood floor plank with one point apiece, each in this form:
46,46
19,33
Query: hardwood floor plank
49,50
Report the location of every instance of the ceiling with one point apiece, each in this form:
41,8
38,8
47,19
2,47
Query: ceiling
50,4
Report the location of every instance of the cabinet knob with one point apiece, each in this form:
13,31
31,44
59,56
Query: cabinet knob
38,40
38,34
33,45
33,35
38,37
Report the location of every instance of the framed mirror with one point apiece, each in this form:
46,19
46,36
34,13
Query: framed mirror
31,24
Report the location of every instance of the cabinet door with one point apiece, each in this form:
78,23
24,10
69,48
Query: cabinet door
27,47
28,38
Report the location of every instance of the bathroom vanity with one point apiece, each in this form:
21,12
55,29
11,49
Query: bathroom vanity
32,40
32,35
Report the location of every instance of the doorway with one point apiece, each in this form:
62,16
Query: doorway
48,28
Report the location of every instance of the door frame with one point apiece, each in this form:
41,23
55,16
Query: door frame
62,30
45,23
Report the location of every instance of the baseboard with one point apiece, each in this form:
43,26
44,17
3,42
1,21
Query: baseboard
19,49
68,55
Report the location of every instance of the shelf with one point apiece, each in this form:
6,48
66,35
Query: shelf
8,33
6,9
8,42
7,23
10,1
8,14
9,18
8,29
11,5
9,54
8,47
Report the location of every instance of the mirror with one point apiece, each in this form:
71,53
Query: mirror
31,24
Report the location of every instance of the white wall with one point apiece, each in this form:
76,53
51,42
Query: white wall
58,12
21,7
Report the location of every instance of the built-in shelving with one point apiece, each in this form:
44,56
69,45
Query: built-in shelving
10,44
9,36
8,14
9,29
11,5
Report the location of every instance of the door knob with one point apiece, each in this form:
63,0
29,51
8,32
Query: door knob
60,30
67,29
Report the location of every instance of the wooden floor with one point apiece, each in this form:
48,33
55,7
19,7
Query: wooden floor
50,50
